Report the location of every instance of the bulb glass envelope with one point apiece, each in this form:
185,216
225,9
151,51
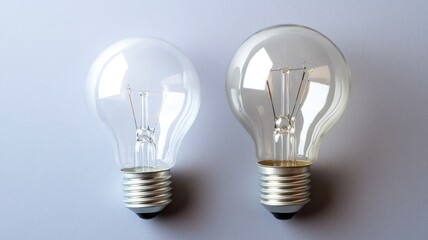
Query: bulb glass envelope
287,85
146,93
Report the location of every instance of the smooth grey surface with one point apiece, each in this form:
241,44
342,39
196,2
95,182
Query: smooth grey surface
58,179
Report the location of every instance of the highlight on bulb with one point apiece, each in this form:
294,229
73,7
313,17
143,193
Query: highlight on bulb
146,94
287,85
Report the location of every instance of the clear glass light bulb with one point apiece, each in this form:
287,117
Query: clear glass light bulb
146,93
287,85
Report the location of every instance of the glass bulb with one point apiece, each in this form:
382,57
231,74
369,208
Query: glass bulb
146,93
287,85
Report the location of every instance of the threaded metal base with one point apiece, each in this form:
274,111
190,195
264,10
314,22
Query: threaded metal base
146,193
284,186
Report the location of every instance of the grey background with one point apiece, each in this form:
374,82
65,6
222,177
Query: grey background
58,179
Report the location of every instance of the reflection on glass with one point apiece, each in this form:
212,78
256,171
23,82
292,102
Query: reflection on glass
295,95
285,87
259,69
111,78
147,94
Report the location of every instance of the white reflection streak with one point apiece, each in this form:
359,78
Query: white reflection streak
173,79
314,103
321,74
258,70
172,106
112,77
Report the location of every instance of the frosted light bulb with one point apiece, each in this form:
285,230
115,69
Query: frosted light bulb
146,93
287,85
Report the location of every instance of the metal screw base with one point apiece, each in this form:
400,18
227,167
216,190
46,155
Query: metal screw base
146,193
284,186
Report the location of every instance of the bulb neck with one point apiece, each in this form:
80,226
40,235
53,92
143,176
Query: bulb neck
146,193
284,186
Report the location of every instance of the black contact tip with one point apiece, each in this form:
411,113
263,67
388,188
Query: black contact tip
283,216
147,215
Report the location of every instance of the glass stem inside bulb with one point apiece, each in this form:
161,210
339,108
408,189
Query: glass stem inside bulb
145,111
145,145
145,148
145,154
285,100
284,139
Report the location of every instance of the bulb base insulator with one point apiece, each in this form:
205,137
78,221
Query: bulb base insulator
146,193
284,186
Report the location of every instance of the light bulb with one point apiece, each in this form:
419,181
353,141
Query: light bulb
287,85
146,93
